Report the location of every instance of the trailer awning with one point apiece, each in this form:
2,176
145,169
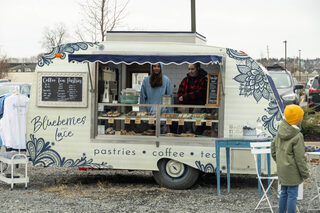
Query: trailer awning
142,59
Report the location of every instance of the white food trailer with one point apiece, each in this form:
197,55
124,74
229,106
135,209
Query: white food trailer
78,116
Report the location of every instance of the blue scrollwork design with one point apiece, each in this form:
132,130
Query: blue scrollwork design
251,78
237,55
208,168
63,49
41,153
275,116
253,81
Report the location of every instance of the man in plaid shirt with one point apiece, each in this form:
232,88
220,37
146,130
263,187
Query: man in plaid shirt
193,88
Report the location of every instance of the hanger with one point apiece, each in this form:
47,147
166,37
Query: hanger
15,91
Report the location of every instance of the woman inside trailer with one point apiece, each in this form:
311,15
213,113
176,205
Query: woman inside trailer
193,88
193,91
153,87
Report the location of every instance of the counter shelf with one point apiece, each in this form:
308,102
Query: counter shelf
123,117
178,121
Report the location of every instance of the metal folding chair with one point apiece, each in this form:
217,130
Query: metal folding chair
258,149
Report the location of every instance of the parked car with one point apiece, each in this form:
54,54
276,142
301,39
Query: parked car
298,91
314,93
8,87
285,84
4,80
307,87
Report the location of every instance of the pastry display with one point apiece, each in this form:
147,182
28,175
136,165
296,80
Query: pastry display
124,132
187,135
149,132
196,119
110,114
110,131
103,114
139,114
132,114
169,115
185,115
199,115
130,133
212,116
142,114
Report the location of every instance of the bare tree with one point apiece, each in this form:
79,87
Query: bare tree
54,36
4,67
100,16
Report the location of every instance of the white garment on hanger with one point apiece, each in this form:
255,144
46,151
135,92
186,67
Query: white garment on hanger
13,123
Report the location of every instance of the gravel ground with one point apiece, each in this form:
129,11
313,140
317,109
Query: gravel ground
69,190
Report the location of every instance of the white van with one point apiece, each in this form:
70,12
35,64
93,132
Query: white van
79,118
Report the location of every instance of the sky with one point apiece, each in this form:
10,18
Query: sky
247,25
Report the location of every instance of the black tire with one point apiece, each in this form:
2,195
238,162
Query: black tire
183,179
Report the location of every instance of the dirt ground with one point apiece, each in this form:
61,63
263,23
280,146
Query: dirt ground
70,190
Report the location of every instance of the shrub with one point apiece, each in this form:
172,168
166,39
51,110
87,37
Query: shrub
310,128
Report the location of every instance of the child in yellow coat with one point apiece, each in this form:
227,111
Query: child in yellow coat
288,152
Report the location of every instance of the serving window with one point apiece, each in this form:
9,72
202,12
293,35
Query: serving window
119,114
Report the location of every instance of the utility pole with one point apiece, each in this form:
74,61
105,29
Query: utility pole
300,65
193,16
285,54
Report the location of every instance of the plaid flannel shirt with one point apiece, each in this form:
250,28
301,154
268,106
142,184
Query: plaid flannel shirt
193,93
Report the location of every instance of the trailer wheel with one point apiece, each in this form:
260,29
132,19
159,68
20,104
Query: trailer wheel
175,175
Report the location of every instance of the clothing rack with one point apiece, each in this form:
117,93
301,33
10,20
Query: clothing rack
16,157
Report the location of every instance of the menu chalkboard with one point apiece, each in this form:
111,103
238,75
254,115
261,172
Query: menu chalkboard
59,88
62,89
213,89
